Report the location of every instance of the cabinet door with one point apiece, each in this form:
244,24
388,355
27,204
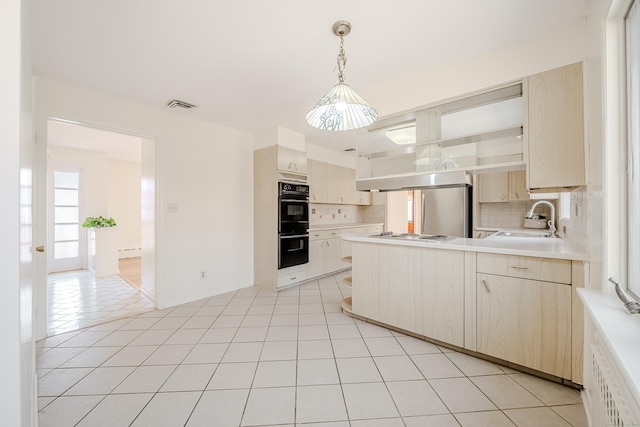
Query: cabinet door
336,188
293,161
518,185
523,321
493,187
555,128
316,258
333,255
443,295
317,181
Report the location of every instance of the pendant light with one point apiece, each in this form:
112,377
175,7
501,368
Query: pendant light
342,108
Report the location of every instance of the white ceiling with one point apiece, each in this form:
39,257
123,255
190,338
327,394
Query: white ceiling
256,64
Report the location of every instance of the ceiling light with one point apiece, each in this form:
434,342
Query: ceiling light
342,108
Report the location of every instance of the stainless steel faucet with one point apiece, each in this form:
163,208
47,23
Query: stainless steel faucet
552,221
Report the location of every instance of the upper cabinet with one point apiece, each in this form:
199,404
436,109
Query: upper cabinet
555,129
292,161
334,184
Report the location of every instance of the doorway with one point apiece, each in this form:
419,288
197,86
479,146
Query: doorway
97,172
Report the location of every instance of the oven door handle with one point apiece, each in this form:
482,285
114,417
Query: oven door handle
306,200
294,236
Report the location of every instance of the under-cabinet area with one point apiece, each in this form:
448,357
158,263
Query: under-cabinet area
519,310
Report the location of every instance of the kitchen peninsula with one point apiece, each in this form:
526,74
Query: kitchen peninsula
509,299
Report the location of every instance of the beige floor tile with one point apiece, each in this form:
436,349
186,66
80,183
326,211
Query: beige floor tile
282,333
275,374
368,400
116,410
397,368
206,353
535,417
384,346
446,420
461,395
100,381
436,366
243,352
415,398
130,355
317,372
415,346
316,349
351,347
60,380
169,355
279,350
189,378
67,410
473,366
548,392
505,393
233,376
573,414
167,410
358,370
381,422
484,419
270,406
145,379
322,403
223,406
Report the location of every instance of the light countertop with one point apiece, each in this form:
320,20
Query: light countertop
318,227
523,246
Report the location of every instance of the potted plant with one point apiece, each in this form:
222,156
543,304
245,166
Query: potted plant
103,245
98,222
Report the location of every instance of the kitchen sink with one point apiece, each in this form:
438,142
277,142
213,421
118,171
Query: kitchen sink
522,233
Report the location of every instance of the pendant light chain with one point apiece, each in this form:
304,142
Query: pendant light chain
342,59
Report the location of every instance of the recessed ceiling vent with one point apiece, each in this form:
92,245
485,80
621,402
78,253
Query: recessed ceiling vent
176,103
350,149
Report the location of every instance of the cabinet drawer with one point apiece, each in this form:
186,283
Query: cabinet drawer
544,269
291,278
324,234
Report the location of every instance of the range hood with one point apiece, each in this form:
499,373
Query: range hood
415,181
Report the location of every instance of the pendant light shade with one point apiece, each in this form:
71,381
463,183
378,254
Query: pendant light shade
342,108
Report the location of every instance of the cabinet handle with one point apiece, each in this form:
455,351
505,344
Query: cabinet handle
328,244
486,287
519,267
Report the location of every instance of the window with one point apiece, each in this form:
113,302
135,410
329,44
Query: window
633,148
65,220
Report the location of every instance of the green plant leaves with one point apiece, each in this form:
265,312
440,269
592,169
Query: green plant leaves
99,222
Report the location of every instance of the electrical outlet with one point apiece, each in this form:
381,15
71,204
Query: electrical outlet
172,207
203,274
313,211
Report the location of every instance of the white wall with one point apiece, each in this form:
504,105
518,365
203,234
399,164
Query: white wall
124,205
17,366
541,52
203,168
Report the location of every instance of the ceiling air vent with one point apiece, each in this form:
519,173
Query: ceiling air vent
350,149
180,104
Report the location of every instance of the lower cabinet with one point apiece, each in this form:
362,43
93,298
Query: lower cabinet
324,255
524,312
420,290
327,251
527,322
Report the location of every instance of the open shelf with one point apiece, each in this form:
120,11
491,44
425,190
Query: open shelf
346,304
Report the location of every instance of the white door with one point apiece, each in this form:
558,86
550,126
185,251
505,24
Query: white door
64,226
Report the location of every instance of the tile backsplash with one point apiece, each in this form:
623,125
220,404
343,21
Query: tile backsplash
508,214
327,214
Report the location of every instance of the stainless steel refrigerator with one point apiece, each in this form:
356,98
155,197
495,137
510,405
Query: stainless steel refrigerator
447,210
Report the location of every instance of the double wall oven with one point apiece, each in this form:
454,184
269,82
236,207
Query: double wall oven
293,224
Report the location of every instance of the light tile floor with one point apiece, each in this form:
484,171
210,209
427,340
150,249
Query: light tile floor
257,358
77,299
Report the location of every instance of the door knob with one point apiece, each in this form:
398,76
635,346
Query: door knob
39,248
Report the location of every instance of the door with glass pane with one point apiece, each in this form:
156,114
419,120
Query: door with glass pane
64,220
